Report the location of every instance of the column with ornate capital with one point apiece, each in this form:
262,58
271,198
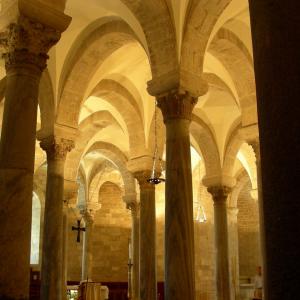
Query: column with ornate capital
135,238
88,214
148,283
51,273
179,231
25,43
219,194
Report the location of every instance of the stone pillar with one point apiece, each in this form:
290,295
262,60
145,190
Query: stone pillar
88,215
219,194
276,63
25,44
233,252
70,198
179,228
148,283
135,238
65,250
51,273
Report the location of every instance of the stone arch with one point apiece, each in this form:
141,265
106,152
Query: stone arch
207,145
156,21
97,176
124,102
87,129
201,18
242,179
229,50
233,145
89,54
115,155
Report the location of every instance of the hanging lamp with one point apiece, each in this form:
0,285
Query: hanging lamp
154,179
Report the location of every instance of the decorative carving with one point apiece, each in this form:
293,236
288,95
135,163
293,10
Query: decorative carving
142,177
219,193
27,42
56,148
175,105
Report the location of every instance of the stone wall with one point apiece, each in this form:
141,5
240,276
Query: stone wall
248,233
110,239
204,248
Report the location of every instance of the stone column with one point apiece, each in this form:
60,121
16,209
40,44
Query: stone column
65,249
219,194
135,238
25,44
233,252
51,273
88,215
276,63
70,198
148,283
179,228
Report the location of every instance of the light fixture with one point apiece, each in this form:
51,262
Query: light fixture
154,179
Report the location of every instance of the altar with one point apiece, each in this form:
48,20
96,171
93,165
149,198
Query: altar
88,290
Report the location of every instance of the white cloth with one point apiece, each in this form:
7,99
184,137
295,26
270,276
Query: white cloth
258,282
104,292
90,291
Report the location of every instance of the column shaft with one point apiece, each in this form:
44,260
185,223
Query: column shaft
87,251
221,242
233,252
135,237
179,227
51,273
25,60
277,76
148,284
65,252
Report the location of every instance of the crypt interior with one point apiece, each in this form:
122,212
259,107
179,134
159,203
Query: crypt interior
97,97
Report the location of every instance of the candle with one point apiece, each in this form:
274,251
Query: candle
129,249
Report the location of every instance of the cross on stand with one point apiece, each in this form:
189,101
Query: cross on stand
78,229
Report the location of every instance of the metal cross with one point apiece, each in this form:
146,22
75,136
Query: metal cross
78,229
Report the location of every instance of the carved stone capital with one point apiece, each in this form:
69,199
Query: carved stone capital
142,178
134,207
175,105
219,193
88,211
233,212
56,148
27,42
